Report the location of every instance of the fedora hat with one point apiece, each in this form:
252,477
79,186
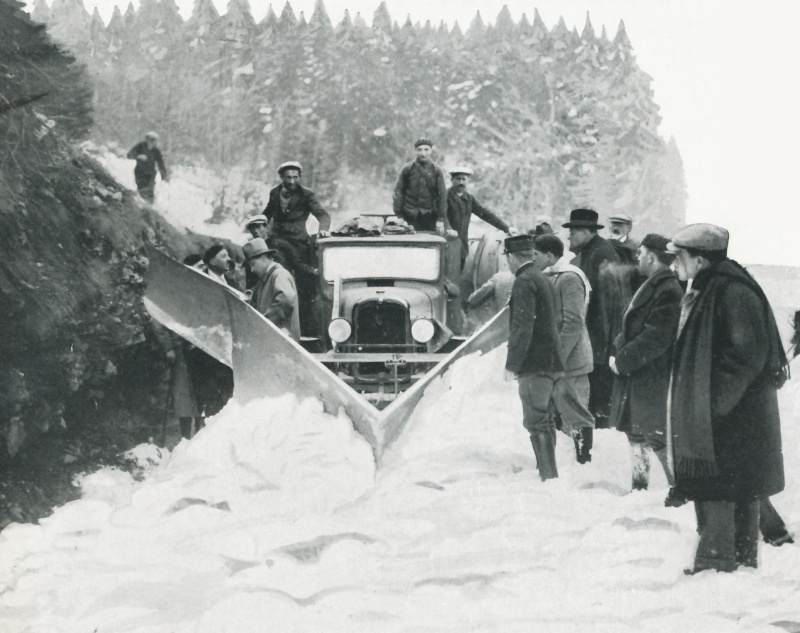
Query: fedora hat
582,219
255,248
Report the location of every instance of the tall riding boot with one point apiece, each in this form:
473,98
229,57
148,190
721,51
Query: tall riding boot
584,438
545,450
640,463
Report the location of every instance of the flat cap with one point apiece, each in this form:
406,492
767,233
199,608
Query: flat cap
460,169
518,243
292,164
655,242
257,219
701,237
152,135
620,217
423,141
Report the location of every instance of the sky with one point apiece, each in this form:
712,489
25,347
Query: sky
723,76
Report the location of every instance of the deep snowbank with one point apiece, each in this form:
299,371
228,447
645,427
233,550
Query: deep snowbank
273,518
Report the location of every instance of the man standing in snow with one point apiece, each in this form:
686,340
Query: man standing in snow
723,424
420,194
288,209
534,350
642,361
148,159
274,294
461,205
621,225
572,294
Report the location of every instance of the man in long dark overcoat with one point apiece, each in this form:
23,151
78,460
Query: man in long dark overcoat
643,359
723,421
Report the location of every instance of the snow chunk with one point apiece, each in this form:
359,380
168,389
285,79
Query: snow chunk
247,69
381,131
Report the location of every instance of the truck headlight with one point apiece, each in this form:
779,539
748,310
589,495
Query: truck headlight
422,330
339,330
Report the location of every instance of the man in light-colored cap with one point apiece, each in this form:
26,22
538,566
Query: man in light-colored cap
148,158
275,293
723,423
288,209
461,205
258,226
620,233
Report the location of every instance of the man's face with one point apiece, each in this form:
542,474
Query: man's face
291,178
645,258
259,230
619,229
151,142
220,262
578,237
259,265
686,266
460,182
424,153
542,260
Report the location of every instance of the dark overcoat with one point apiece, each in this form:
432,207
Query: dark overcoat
459,212
643,356
744,414
291,223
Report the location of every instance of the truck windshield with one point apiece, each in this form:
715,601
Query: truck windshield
388,262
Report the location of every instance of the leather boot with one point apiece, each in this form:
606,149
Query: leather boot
545,450
584,438
640,462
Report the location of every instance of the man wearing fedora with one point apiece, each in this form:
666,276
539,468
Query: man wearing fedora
642,361
462,205
534,351
420,194
723,422
287,210
599,261
274,293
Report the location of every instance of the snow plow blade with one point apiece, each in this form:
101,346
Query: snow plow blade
266,362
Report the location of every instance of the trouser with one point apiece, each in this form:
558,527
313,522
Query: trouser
146,184
296,249
728,535
422,221
601,383
535,391
770,522
570,400
657,442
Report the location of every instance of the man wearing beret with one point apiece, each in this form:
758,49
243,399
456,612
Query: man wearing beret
274,294
288,209
420,194
534,351
461,205
643,359
611,291
723,423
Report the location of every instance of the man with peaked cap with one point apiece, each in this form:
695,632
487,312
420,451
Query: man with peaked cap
461,205
258,226
149,161
723,420
288,209
642,361
534,351
599,261
621,225
420,194
275,293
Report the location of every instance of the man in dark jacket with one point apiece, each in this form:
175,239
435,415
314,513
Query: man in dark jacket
534,350
420,194
461,205
288,209
148,157
598,259
643,359
723,421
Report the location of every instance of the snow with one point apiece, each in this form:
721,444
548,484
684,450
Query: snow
274,517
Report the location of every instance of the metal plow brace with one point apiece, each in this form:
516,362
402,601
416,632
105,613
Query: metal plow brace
265,362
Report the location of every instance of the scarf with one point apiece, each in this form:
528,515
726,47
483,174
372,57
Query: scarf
690,422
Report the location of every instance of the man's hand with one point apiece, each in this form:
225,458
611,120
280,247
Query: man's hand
323,233
612,363
513,230
171,356
451,233
509,375
141,158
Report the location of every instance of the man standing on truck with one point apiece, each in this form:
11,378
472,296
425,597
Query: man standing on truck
420,195
288,209
148,157
461,205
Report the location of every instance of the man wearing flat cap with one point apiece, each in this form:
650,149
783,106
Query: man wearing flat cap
462,205
420,194
149,162
610,283
642,361
723,424
275,293
620,232
288,209
534,350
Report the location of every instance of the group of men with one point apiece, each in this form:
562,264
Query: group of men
690,375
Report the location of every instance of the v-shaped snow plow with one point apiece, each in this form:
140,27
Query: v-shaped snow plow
266,362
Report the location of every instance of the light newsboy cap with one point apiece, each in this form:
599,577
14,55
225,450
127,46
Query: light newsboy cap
291,164
460,169
700,237
257,219
620,217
